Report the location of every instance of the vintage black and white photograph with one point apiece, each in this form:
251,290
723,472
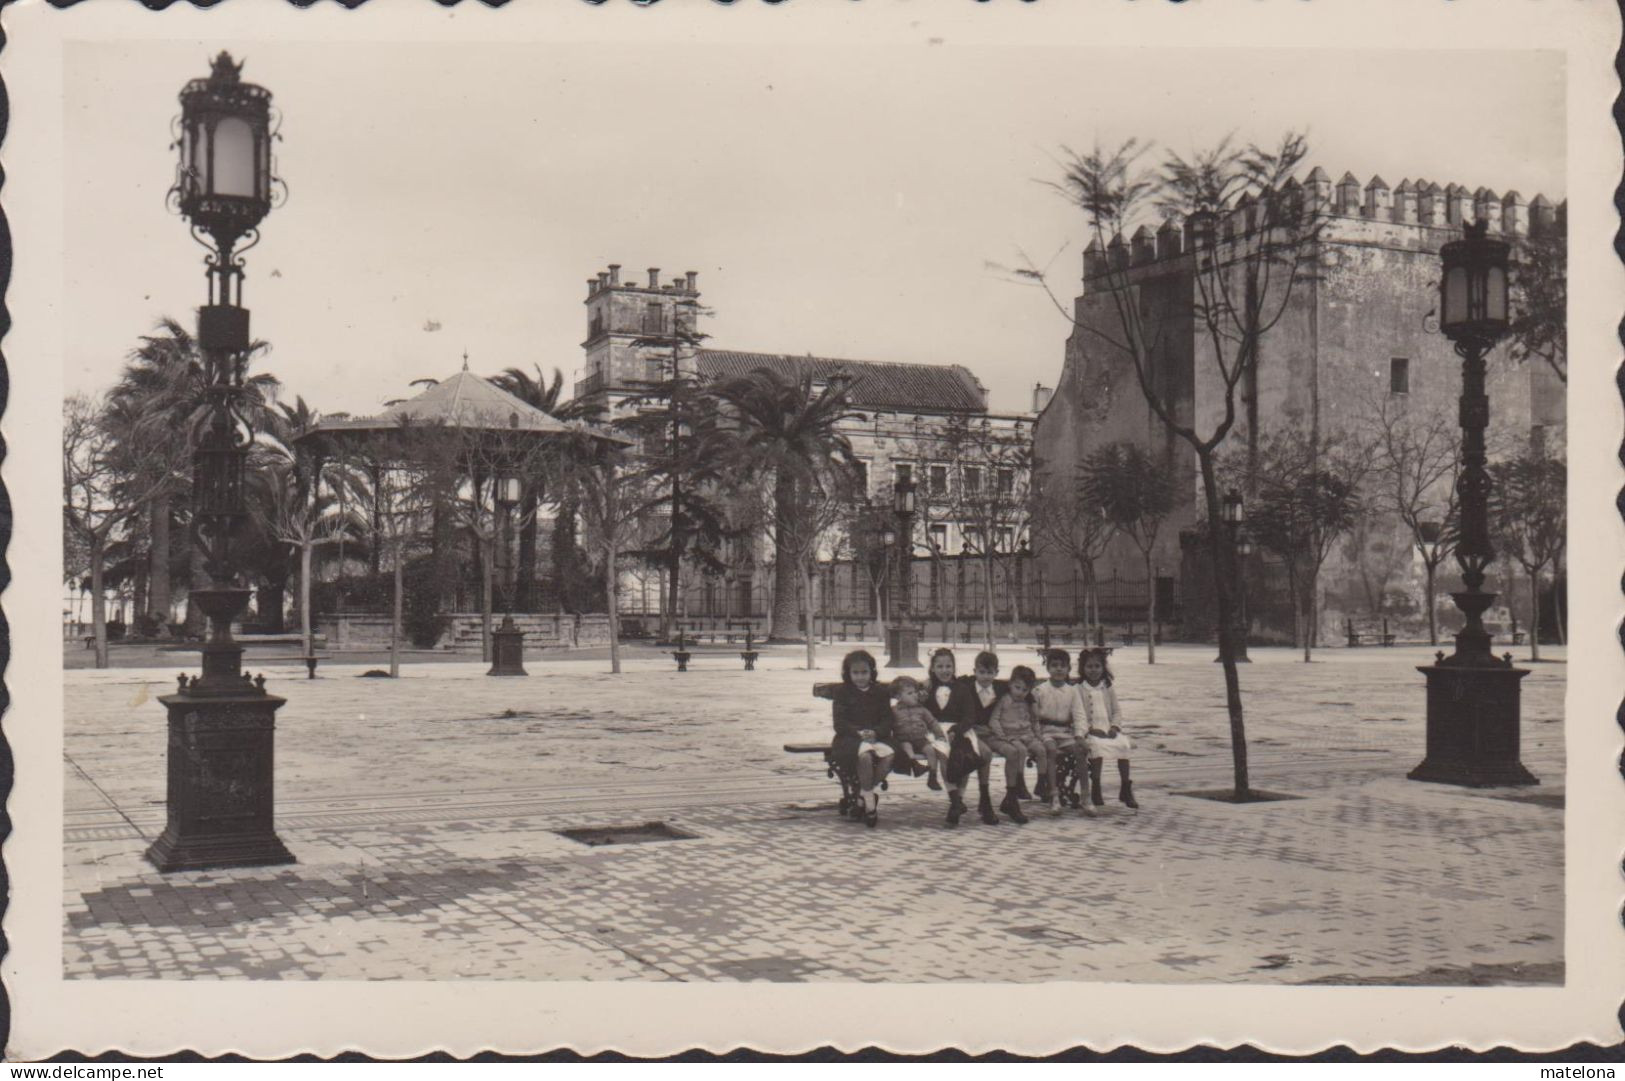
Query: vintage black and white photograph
621,504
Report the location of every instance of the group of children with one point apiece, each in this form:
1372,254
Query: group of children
955,725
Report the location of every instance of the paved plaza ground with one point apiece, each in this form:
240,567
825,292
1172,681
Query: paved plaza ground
425,813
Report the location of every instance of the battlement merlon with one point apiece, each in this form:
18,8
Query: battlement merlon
1429,213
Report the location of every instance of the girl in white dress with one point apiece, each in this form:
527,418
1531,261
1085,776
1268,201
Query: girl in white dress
1106,738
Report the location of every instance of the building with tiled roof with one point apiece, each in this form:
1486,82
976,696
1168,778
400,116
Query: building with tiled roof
907,414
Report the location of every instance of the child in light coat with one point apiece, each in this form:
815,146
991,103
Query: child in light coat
1105,738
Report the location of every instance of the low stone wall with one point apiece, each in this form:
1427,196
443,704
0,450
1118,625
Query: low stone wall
369,631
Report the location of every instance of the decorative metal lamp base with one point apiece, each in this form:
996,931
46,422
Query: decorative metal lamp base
902,647
221,758
508,650
1472,726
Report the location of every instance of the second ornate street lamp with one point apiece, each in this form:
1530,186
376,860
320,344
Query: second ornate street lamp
508,640
902,637
1232,511
1472,695
221,723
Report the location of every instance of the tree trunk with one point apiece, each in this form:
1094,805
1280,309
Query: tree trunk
612,599
304,598
524,583
782,627
807,613
1224,584
987,602
1534,613
1309,618
1560,588
98,601
1433,614
158,593
1150,609
395,614
488,549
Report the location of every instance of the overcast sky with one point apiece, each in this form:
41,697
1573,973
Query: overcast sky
842,201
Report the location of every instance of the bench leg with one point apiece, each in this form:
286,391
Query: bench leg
850,803
1066,779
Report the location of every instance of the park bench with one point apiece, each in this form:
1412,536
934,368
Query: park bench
854,627
1368,630
1068,778
281,642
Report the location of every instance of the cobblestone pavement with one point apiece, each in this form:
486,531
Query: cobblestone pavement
426,812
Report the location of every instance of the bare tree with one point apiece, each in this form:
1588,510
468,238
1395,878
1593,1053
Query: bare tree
1062,518
1137,492
1308,495
1528,505
1255,237
112,466
1417,459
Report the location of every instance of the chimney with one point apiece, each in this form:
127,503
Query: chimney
603,279
1041,396
654,277
592,286
614,274
692,278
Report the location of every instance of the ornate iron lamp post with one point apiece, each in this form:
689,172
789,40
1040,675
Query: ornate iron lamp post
222,724
902,637
1473,696
508,640
1233,512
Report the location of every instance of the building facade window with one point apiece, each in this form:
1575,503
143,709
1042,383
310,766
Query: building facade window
939,480
937,534
1007,481
973,480
861,475
903,473
1399,375
1004,539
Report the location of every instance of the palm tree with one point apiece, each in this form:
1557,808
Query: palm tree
163,389
788,432
536,391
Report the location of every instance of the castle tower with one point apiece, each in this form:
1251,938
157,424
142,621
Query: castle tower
634,330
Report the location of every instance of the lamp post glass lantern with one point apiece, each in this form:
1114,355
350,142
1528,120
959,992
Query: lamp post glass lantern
221,723
1233,513
902,637
1473,696
508,640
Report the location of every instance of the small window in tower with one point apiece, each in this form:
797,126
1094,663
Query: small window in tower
653,322
1399,376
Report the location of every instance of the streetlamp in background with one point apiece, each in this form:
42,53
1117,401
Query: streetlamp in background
222,724
902,637
1233,512
1473,696
508,640
1429,533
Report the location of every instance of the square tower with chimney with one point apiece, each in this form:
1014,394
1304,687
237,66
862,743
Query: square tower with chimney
637,331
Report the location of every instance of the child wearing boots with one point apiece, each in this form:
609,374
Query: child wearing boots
863,729
1014,735
1062,723
970,707
1105,738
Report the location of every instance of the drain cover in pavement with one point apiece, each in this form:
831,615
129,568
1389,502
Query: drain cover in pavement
626,835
